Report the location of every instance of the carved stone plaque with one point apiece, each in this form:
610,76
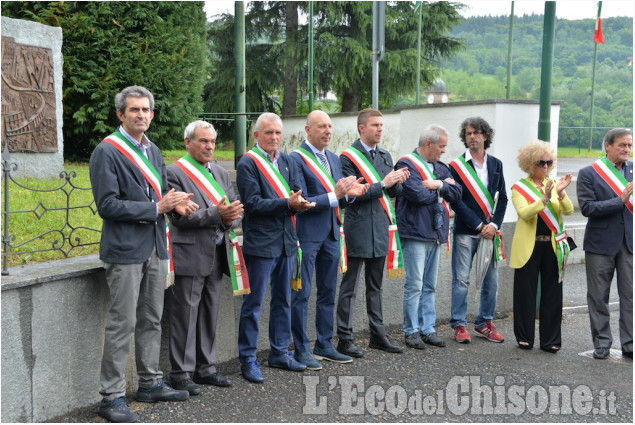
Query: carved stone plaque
28,98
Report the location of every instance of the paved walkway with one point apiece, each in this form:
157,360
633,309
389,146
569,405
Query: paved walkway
434,385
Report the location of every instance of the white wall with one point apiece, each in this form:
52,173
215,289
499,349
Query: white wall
514,122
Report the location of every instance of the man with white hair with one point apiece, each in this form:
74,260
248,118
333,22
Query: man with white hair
423,221
201,252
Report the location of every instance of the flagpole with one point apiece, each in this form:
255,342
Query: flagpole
418,88
598,24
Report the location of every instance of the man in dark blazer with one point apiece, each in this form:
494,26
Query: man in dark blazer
366,228
470,224
605,195
200,248
319,234
134,251
268,184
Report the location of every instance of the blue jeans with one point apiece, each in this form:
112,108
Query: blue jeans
421,263
463,250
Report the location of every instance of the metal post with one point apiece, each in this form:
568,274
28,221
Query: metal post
595,58
379,23
6,175
418,88
310,56
544,123
240,126
375,86
509,53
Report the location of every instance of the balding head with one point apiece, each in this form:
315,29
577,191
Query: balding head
318,129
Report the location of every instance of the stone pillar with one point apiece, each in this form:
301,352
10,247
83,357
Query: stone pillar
32,97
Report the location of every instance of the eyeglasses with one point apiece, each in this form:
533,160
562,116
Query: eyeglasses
476,133
542,163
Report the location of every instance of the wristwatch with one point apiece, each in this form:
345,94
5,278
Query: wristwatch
383,185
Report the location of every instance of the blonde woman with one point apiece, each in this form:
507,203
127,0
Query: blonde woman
539,247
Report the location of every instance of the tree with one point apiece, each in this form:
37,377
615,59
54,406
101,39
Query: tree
343,51
110,45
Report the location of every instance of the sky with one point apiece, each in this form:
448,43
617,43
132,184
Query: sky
565,9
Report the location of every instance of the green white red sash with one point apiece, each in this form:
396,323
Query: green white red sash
206,182
394,260
427,174
482,197
612,177
552,219
152,176
328,183
281,187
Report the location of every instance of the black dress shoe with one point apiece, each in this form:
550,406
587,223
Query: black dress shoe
601,352
215,379
346,346
384,344
187,385
433,339
628,354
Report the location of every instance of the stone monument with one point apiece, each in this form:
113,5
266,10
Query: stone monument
32,97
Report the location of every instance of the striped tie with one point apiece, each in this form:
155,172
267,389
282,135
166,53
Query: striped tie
324,162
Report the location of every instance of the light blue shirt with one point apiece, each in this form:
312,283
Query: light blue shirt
332,198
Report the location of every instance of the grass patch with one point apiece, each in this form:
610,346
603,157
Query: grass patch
49,218
574,152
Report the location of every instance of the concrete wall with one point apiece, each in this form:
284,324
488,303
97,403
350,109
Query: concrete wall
53,318
40,165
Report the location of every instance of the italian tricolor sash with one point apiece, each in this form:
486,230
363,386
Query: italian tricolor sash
482,197
394,260
206,182
281,188
329,185
152,176
427,174
553,221
611,176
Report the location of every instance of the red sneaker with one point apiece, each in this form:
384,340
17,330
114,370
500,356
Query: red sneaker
461,335
489,332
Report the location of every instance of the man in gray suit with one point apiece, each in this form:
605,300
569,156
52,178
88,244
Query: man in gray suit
605,195
200,247
367,237
130,188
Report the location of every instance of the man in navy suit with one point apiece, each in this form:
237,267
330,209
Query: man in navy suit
605,195
270,191
134,251
320,175
481,177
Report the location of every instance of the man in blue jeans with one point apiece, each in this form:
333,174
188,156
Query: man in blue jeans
423,223
476,216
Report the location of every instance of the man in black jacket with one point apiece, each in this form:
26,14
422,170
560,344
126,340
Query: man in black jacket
366,225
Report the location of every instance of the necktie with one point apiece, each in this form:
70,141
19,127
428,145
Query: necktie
372,154
218,237
324,162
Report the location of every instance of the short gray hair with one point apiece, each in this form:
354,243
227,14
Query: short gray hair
132,91
615,133
267,116
191,128
432,132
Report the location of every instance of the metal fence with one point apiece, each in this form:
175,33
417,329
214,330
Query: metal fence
579,137
64,239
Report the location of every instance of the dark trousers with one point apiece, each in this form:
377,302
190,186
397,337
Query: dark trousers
193,303
542,262
323,257
373,275
600,270
260,270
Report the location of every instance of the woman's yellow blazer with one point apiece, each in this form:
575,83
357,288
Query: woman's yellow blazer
525,234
